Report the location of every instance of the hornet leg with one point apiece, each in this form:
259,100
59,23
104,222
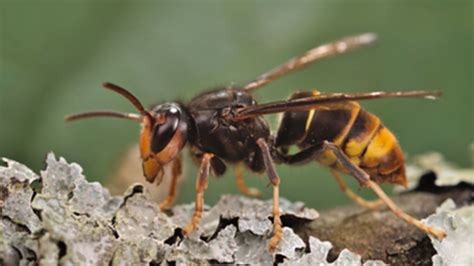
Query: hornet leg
243,188
310,154
369,204
364,179
275,180
301,157
201,185
175,172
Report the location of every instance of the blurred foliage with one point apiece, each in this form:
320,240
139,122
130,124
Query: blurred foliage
54,56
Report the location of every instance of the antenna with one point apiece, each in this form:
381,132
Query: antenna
126,94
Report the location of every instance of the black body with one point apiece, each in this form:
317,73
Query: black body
212,129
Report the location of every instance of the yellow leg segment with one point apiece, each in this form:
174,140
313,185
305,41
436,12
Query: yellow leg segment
368,204
364,178
438,233
176,172
243,188
275,181
277,225
201,185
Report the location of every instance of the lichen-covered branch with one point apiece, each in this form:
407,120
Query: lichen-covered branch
379,235
58,217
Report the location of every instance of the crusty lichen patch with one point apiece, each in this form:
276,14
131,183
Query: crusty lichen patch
458,246
15,191
69,220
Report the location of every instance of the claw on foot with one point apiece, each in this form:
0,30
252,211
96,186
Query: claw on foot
252,192
166,205
438,233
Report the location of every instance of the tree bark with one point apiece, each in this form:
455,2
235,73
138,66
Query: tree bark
379,235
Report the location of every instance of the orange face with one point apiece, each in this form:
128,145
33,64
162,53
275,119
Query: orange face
161,140
149,164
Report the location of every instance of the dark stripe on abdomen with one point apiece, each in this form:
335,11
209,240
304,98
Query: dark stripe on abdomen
331,124
292,126
291,129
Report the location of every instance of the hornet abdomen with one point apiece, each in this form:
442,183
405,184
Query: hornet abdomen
357,132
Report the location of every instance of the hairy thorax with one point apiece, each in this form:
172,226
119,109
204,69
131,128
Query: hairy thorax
229,140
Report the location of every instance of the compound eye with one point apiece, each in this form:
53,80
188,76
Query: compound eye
162,134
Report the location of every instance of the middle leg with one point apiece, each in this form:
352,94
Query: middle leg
275,180
201,185
243,188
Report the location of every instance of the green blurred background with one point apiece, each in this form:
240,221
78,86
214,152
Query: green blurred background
54,56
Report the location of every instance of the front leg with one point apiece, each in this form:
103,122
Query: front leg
275,180
201,186
176,171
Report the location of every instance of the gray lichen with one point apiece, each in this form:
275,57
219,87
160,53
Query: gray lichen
15,190
73,221
69,220
447,173
75,214
458,246
319,254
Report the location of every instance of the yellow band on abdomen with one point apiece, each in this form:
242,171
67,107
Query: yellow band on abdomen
379,147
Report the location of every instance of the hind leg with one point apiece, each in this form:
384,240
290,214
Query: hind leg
311,153
368,204
364,179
